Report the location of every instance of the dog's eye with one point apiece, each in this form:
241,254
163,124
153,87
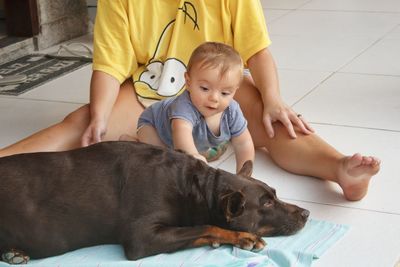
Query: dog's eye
268,203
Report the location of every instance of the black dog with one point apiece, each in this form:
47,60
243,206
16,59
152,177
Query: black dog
148,199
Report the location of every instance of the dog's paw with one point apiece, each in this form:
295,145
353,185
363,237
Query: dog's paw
259,245
249,241
215,244
15,256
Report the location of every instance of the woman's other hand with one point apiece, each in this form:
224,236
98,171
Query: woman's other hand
265,77
276,110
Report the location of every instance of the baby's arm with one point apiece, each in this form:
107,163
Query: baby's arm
244,148
183,139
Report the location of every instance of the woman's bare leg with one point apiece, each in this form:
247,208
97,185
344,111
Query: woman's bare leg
307,154
125,114
148,134
67,133
61,136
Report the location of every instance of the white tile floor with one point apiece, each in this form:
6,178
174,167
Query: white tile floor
339,66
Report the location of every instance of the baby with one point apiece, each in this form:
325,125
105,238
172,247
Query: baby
205,117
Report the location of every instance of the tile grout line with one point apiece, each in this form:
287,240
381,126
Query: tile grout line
366,49
290,10
350,11
342,72
313,89
338,70
342,206
357,127
370,74
39,100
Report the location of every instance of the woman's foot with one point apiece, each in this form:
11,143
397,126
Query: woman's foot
354,175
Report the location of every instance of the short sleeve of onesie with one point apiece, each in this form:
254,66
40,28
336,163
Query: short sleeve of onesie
236,120
182,108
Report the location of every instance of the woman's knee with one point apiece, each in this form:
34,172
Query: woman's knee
79,117
252,107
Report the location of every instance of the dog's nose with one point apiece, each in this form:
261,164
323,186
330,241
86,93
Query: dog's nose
305,214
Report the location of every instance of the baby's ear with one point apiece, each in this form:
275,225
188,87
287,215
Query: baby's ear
187,79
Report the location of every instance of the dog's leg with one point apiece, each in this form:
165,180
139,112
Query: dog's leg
216,236
169,239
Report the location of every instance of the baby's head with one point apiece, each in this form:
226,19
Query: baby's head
214,73
217,56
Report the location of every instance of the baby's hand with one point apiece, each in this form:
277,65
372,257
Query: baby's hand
200,157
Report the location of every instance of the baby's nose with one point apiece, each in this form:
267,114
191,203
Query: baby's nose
213,97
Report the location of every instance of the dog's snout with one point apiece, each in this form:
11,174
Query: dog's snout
305,214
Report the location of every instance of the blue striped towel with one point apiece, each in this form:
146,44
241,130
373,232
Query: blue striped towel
298,250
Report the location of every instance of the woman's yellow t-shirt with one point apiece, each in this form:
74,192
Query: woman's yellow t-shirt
152,40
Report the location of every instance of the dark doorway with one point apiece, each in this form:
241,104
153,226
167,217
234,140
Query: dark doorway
18,22
21,18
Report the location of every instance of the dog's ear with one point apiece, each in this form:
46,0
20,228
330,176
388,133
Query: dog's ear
246,169
232,204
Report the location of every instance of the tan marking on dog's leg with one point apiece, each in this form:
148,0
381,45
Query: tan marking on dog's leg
215,236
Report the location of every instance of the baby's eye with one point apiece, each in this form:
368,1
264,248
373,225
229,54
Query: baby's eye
205,89
225,93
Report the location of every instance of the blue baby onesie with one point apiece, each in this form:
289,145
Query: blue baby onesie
160,114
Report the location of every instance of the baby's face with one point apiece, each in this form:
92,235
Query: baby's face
210,92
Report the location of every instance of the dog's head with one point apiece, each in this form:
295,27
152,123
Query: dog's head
252,206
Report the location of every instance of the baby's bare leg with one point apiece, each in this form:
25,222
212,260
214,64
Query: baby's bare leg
148,134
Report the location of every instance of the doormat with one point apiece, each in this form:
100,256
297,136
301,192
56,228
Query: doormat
39,69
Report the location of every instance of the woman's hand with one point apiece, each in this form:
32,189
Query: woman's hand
104,90
276,110
94,133
264,74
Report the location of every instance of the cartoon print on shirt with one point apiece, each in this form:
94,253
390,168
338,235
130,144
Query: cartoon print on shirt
164,79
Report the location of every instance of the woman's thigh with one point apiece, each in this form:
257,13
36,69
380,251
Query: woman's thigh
125,113
252,106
